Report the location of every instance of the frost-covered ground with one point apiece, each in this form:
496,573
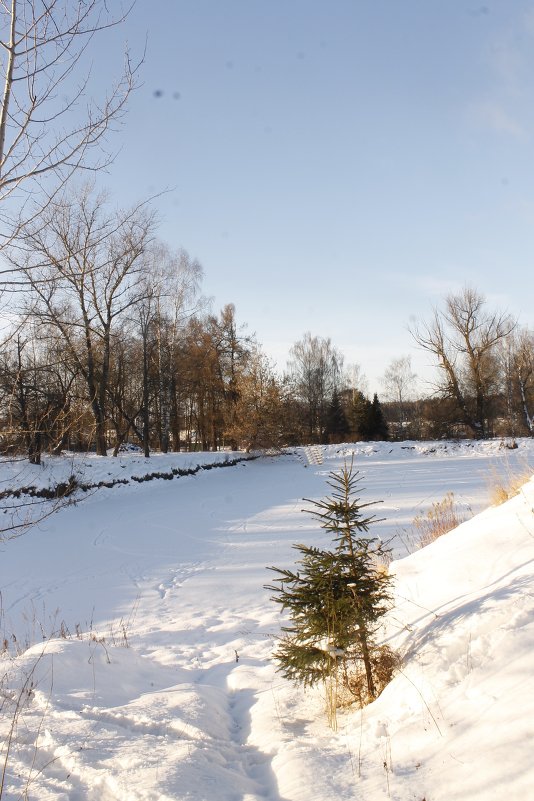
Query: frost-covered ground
164,687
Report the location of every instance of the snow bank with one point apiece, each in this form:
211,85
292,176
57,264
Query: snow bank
193,708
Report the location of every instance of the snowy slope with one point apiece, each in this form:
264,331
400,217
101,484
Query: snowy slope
193,708
459,721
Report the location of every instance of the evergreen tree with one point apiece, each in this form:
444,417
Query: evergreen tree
359,416
337,425
377,421
337,596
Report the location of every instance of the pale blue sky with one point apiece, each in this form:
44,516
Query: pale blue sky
338,166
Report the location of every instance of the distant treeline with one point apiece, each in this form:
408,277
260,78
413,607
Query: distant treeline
112,342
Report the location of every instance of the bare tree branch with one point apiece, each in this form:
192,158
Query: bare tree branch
49,127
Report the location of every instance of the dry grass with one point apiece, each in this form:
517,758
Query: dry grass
347,686
502,487
353,684
441,518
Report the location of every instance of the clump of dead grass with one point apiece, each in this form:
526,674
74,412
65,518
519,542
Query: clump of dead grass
441,518
506,484
352,689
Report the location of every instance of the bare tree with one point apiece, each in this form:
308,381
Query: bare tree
463,337
398,382
85,266
524,372
145,319
175,280
49,125
125,390
355,379
517,358
145,373
316,369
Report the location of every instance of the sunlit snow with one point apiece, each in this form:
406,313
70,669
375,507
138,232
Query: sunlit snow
163,684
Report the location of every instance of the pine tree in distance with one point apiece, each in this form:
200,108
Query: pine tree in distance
336,600
378,421
337,425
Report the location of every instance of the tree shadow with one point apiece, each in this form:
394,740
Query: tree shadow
442,621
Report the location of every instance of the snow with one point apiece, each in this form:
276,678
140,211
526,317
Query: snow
163,684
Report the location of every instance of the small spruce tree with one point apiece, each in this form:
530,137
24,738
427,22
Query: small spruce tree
336,598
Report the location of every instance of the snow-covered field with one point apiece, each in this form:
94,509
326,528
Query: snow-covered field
163,686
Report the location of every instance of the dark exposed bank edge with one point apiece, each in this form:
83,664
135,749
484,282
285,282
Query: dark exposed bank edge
66,488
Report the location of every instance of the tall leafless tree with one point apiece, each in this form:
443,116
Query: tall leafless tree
463,337
399,382
517,359
316,369
524,372
175,280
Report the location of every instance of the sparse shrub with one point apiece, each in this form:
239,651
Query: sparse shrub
441,518
336,600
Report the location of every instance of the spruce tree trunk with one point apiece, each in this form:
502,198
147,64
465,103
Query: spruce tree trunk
366,660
